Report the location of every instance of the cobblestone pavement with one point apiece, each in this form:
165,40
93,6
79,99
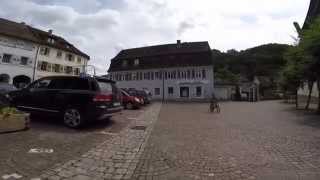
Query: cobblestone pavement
265,140
48,133
115,158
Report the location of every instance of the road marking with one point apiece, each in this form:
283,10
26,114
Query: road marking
40,150
35,179
14,175
211,174
132,118
107,133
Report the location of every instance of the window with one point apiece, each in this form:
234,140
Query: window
68,70
136,62
170,90
44,83
76,71
45,51
69,57
124,63
203,74
59,54
157,91
165,75
193,74
6,58
198,91
56,68
43,66
51,40
69,83
79,60
188,74
24,61
152,75
156,75
105,87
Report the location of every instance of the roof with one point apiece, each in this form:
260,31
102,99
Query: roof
188,47
163,56
26,32
313,12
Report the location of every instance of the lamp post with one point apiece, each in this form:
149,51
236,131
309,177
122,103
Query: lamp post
162,72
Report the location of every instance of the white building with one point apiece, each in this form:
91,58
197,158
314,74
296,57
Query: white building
27,54
182,71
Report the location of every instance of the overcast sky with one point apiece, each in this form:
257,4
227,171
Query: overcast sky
101,28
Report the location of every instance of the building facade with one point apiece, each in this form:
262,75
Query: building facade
182,71
27,54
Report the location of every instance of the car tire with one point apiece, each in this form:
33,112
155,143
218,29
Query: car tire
129,106
73,118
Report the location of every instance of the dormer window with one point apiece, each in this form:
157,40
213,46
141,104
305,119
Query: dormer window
124,63
51,40
136,62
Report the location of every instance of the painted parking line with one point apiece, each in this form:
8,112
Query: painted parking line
107,133
40,150
132,118
14,175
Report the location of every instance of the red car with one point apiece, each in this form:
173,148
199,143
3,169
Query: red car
136,93
130,102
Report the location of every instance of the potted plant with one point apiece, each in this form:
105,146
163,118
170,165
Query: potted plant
11,119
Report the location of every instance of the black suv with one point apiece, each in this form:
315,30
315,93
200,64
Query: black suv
77,99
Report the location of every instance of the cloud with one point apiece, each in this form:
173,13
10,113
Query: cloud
101,28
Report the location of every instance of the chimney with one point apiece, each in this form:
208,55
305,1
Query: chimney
50,31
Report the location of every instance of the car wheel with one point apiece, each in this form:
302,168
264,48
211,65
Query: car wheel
129,105
73,118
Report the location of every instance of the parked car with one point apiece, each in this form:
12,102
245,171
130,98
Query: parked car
136,93
149,95
130,102
78,100
6,88
144,95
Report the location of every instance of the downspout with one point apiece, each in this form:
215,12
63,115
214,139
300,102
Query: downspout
35,64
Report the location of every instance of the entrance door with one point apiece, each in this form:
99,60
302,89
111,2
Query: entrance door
184,92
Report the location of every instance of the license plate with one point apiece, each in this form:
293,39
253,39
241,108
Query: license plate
116,104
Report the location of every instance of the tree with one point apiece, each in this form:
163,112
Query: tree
310,43
292,74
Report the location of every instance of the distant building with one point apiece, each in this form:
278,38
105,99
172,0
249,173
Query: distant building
181,71
27,53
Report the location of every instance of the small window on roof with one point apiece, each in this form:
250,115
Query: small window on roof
136,62
124,63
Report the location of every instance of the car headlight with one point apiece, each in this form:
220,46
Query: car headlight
136,99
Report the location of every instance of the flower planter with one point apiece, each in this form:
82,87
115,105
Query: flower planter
14,122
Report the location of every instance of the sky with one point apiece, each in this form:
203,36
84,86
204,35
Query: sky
101,28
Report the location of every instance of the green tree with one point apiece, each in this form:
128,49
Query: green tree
292,74
310,43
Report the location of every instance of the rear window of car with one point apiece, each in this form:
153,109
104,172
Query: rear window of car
105,87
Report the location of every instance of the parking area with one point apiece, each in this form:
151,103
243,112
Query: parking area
48,142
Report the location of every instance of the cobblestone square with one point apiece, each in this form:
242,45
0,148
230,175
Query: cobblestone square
264,140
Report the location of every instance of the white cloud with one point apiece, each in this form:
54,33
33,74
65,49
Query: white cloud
102,27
